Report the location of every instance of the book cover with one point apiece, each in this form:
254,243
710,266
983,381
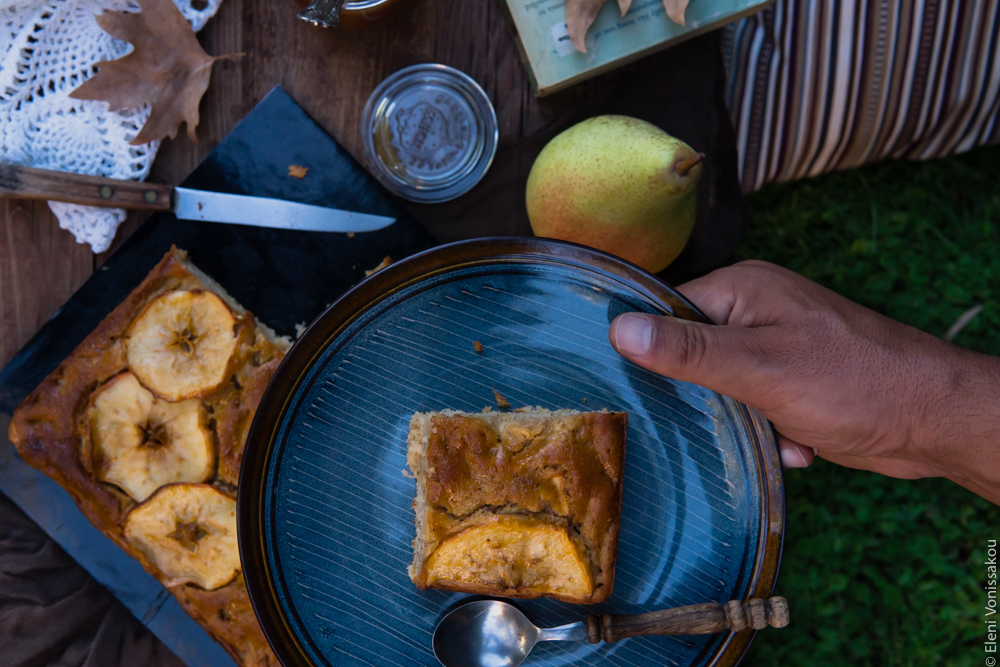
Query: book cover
613,39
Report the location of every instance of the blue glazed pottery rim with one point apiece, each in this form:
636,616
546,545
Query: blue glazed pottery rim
254,494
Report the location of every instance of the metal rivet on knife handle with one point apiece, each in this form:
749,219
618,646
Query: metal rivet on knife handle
106,192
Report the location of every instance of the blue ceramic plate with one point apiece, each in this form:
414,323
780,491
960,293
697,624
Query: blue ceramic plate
324,506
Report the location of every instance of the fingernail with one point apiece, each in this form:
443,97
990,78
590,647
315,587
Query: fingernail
791,457
633,335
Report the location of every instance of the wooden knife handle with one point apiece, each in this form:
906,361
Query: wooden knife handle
17,182
695,619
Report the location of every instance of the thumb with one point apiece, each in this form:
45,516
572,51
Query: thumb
726,359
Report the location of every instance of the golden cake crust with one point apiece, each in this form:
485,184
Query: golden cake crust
559,469
52,433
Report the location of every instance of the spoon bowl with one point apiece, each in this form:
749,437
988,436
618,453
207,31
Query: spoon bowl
485,633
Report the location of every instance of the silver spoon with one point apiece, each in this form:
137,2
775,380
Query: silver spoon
491,633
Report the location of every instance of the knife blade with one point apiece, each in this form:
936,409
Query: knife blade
263,212
17,182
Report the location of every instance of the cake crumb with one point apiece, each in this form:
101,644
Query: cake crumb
297,171
502,402
584,399
488,408
407,474
350,235
477,346
300,328
386,261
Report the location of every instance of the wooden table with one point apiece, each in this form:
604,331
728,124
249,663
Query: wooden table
331,74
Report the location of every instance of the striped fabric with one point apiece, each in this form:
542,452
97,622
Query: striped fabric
820,85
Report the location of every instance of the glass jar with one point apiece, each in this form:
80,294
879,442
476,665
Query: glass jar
353,15
430,133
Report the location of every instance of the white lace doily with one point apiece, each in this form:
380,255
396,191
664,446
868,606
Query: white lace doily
47,49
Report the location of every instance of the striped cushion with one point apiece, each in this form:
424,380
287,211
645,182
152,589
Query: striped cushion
820,85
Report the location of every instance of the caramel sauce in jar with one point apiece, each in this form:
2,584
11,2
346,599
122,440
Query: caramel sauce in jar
361,14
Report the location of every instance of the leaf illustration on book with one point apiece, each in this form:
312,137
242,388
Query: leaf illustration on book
166,69
675,10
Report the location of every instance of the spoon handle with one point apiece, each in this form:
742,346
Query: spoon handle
695,619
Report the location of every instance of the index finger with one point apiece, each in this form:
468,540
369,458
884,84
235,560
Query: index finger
714,294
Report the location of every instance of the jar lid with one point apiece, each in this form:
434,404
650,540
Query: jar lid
430,133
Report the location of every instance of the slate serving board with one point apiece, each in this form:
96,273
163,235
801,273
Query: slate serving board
285,278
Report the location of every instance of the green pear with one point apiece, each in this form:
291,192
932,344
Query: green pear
617,184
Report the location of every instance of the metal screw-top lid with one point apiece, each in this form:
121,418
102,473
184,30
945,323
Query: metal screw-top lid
322,13
430,133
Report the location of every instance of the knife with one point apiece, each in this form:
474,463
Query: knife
17,182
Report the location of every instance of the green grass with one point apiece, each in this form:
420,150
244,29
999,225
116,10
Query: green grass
880,571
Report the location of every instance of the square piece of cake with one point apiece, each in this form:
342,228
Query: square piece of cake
519,504
144,424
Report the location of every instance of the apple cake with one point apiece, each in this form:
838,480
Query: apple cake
144,425
519,504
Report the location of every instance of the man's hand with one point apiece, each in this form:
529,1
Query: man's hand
833,377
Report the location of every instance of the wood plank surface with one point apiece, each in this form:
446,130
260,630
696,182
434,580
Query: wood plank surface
331,74
40,267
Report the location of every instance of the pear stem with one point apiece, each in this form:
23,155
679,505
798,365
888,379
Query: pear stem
687,164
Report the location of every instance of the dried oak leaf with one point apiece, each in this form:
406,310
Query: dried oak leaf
580,15
675,10
167,69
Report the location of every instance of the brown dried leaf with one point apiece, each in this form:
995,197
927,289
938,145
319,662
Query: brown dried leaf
675,10
580,14
167,69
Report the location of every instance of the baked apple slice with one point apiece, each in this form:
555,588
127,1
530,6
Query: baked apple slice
512,553
188,531
181,345
139,442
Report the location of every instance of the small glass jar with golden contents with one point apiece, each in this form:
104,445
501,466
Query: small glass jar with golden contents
430,133
350,14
